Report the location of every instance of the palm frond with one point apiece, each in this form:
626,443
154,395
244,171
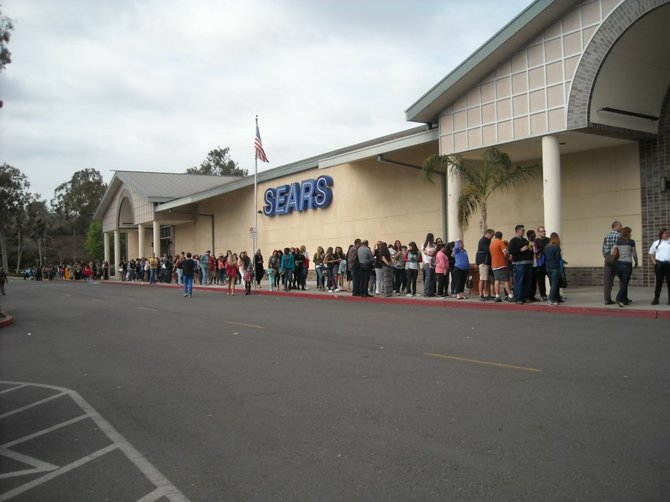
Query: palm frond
436,164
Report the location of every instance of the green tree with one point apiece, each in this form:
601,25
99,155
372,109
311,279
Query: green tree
13,196
218,163
481,179
94,241
77,199
38,221
6,26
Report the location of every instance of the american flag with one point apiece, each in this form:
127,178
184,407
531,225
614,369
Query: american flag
260,153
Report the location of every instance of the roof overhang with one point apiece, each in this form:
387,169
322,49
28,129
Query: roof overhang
521,30
426,136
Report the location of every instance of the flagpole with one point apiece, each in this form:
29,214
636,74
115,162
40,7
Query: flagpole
255,234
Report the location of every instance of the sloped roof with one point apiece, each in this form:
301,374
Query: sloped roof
503,45
160,187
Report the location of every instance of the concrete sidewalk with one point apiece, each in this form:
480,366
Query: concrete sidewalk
579,300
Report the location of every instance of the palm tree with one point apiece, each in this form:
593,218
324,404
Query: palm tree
480,179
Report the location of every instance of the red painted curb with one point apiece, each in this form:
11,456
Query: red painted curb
6,321
500,307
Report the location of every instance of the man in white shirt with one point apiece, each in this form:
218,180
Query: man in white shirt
660,259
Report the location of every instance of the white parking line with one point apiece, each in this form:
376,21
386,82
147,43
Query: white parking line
163,487
32,405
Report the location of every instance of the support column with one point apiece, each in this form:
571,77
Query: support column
551,183
157,239
105,245
117,255
453,193
140,240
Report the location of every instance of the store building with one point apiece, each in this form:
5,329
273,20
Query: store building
580,87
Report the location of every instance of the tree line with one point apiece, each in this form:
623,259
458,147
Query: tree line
34,232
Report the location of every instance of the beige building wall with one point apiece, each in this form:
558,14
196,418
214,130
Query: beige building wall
371,200
599,187
526,96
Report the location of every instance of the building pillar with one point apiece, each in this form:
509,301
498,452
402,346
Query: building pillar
453,194
117,254
140,240
157,239
551,182
105,245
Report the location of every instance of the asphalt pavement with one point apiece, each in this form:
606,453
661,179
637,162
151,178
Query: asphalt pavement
283,397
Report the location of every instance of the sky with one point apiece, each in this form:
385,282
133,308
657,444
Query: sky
154,85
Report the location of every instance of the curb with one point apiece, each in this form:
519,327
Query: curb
6,321
500,307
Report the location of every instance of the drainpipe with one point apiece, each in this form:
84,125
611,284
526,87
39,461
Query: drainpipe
443,185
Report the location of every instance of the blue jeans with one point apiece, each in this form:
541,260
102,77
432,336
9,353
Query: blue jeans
152,276
319,277
623,271
523,276
188,285
554,279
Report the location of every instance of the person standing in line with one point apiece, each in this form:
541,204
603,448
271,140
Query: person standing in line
540,269
610,261
627,254
188,273
365,262
180,271
259,267
428,251
305,269
500,266
153,269
412,259
461,269
659,253
553,260
204,268
483,262
354,267
441,269
522,265
387,270
231,273
287,267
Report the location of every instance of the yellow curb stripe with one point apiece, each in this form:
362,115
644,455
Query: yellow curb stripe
245,325
486,363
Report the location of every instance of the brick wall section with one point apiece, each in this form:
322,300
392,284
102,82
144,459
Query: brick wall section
608,33
654,165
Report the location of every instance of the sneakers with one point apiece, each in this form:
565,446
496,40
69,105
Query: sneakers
337,290
553,304
483,299
410,294
498,299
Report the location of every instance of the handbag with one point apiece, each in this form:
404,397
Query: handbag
563,281
615,253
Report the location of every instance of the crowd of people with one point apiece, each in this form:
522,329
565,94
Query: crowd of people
70,271
514,270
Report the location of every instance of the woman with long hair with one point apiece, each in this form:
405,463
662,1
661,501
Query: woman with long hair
412,259
318,267
553,260
428,250
625,246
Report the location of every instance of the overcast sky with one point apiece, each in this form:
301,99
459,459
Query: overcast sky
153,85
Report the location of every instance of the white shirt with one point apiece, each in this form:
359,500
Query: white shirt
661,250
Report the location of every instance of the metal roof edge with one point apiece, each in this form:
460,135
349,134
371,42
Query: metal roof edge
425,136
500,41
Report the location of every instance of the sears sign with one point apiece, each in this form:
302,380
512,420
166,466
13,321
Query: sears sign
309,194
